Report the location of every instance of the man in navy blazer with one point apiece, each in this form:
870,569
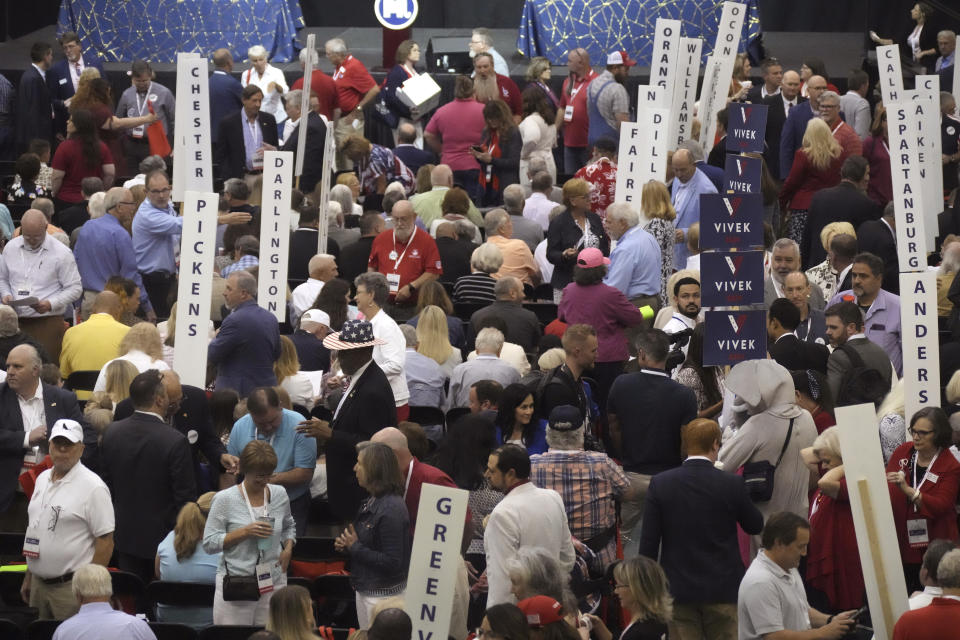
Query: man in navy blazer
225,91
407,151
690,521
249,339
35,105
249,123
791,138
64,75
316,139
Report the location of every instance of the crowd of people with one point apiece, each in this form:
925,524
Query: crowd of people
487,317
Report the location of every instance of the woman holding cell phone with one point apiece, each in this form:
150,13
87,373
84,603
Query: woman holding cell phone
252,525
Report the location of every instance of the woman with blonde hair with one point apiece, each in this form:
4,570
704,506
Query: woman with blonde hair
433,293
644,592
289,377
141,347
434,341
181,558
822,274
119,375
816,166
656,206
291,614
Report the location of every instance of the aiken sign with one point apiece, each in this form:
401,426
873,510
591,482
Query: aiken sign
732,278
734,336
731,222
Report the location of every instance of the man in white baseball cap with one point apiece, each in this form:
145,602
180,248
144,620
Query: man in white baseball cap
608,102
70,524
308,340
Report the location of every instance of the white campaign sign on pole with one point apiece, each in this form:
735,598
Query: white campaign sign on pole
685,89
655,122
872,516
435,560
275,232
328,156
927,112
305,105
724,55
197,251
918,333
192,152
663,62
907,188
629,185
891,73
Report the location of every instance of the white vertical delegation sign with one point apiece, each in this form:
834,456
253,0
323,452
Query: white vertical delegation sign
435,560
305,105
724,54
328,157
275,232
192,154
872,516
629,185
655,121
891,73
907,188
930,145
663,62
197,251
685,89
918,332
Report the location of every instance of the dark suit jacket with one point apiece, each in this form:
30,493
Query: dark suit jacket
369,408
775,121
564,233
225,92
245,349
455,258
791,137
843,202
61,70
873,357
57,404
413,157
72,217
523,327
147,466
874,236
193,420
313,153
714,173
303,246
34,116
311,353
353,259
231,154
693,512
798,355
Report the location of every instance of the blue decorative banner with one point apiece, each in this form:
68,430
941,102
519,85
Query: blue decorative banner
730,337
731,222
742,174
731,279
746,124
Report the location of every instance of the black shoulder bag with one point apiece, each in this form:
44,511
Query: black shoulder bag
758,476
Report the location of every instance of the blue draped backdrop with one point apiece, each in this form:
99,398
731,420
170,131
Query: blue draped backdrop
155,30
551,28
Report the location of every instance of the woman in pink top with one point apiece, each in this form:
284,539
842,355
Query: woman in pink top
453,130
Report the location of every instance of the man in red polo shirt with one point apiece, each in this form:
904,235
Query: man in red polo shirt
490,85
321,84
408,257
355,89
572,116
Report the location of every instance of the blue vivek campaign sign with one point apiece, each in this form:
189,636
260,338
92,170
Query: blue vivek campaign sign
746,124
742,174
732,278
396,14
731,222
731,337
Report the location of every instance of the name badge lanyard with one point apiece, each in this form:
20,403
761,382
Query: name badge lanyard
926,473
393,253
406,485
29,269
146,98
246,501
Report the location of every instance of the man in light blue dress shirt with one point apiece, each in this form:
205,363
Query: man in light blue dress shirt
156,234
635,261
687,187
97,620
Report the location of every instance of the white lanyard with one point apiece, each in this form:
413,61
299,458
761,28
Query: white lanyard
36,263
926,473
885,147
839,124
146,98
256,434
652,372
406,485
396,264
246,501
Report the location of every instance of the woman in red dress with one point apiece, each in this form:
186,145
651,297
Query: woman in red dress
833,562
923,477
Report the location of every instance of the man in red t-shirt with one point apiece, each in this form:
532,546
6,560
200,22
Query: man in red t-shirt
407,256
489,85
355,89
572,116
321,84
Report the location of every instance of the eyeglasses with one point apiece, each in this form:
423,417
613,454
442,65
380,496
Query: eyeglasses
920,432
158,192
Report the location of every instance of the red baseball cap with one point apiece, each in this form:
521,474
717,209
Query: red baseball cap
620,57
541,611
592,257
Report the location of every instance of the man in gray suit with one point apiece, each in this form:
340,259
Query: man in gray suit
785,259
845,331
523,228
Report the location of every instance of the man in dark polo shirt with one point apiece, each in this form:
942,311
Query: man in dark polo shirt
408,257
646,411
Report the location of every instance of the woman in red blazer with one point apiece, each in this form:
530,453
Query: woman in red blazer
923,478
